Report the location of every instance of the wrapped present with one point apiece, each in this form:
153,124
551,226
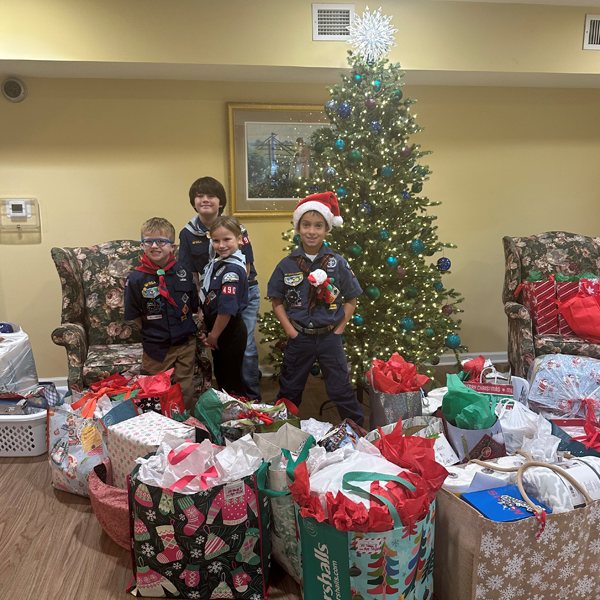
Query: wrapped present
539,298
137,437
565,290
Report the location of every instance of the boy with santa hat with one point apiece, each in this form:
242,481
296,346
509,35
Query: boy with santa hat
306,290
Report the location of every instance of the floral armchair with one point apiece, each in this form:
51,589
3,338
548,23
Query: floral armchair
99,342
549,253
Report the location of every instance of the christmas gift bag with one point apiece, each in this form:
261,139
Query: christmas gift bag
158,395
210,544
565,290
539,298
137,437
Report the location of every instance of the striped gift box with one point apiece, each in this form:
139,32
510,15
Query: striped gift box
538,297
566,290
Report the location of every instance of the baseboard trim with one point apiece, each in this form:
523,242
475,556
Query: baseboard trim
57,381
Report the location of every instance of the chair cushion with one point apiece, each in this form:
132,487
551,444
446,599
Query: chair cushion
103,361
565,344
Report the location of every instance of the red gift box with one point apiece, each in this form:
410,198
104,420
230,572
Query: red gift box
566,290
538,297
590,287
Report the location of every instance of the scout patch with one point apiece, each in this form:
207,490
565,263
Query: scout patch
292,297
220,271
230,278
230,290
211,296
185,309
245,240
331,263
335,292
153,317
293,279
151,292
182,273
349,269
332,307
154,307
185,298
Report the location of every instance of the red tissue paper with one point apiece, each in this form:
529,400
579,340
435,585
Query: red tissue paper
395,376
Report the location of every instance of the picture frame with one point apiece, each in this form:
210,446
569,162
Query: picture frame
268,153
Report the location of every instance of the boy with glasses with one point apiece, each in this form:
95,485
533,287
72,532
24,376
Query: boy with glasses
160,297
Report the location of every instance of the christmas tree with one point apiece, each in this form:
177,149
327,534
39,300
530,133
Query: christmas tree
385,568
388,237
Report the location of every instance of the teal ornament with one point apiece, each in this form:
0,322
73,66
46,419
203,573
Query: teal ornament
387,171
325,243
315,370
429,332
297,239
357,79
354,156
377,85
339,145
372,292
398,94
342,192
416,187
357,320
384,234
407,324
413,292
438,286
354,250
391,262
417,247
319,148
452,341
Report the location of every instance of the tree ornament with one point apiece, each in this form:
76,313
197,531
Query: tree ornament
357,79
397,95
377,85
387,171
354,156
406,195
371,36
447,309
438,286
412,291
366,208
401,272
371,104
372,292
435,360
357,320
331,106
329,173
406,151
339,145
443,264
354,250
343,339
392,262
344,110
354,571
429,332
417,187
315,370
417,247
319,148
297,239
384,234
452,341
407,324
375,126
342,192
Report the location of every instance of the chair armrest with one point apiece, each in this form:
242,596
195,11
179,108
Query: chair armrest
521,351
73,337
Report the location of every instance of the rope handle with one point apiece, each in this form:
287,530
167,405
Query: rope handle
495,467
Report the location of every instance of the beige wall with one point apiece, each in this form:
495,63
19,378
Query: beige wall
103,155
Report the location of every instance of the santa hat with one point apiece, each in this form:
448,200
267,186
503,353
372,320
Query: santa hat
325,203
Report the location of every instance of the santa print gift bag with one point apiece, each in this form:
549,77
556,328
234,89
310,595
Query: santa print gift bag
211,544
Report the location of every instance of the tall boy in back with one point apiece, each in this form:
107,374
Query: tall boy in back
315,325
208,198
160,297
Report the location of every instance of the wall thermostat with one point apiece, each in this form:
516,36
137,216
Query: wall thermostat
19,213
14,89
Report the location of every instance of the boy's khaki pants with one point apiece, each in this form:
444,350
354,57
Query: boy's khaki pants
181,358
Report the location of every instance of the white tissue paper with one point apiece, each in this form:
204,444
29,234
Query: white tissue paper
242,458
316,428
103,406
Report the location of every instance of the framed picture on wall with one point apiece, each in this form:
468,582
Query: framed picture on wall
269,153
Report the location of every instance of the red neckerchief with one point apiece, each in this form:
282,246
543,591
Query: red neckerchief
151,268
304,265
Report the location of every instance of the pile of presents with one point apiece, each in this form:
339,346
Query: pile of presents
506,484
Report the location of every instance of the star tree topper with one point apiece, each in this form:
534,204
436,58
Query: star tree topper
372,36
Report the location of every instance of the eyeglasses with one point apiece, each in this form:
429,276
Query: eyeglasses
160,242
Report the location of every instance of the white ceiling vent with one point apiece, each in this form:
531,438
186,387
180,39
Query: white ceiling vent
591,37
331,21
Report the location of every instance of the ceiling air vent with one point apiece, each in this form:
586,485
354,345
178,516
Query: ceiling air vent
331,21
591,37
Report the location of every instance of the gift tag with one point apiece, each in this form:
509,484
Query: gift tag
444,454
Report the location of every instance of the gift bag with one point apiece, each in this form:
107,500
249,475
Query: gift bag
582,313
539,298
158,395
353,564
210,544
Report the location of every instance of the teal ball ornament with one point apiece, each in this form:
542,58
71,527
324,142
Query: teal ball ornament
315,370
407,324
391,262
384,234
417,187
319,147
297,239
387,171
438,286
429,332
357,320
413,292
397,95
357,79
354,250
339,145
342,192
372,292
417,247
452,341
354,156
377,85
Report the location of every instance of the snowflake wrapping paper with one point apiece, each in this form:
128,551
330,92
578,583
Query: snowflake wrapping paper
137,437
478,559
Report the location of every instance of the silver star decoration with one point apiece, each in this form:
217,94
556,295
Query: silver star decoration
372,36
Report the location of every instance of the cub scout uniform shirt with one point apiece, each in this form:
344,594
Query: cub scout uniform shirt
163,325
228,292
291,285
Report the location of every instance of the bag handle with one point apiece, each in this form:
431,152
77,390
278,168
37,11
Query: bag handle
362,476
495,467
175,458
180,483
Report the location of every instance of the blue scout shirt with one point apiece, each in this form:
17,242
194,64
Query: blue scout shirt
228,292
163,325
194,243
291,285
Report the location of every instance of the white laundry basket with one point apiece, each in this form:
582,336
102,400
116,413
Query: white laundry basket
23,435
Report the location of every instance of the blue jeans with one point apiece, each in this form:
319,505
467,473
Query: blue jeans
250,364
